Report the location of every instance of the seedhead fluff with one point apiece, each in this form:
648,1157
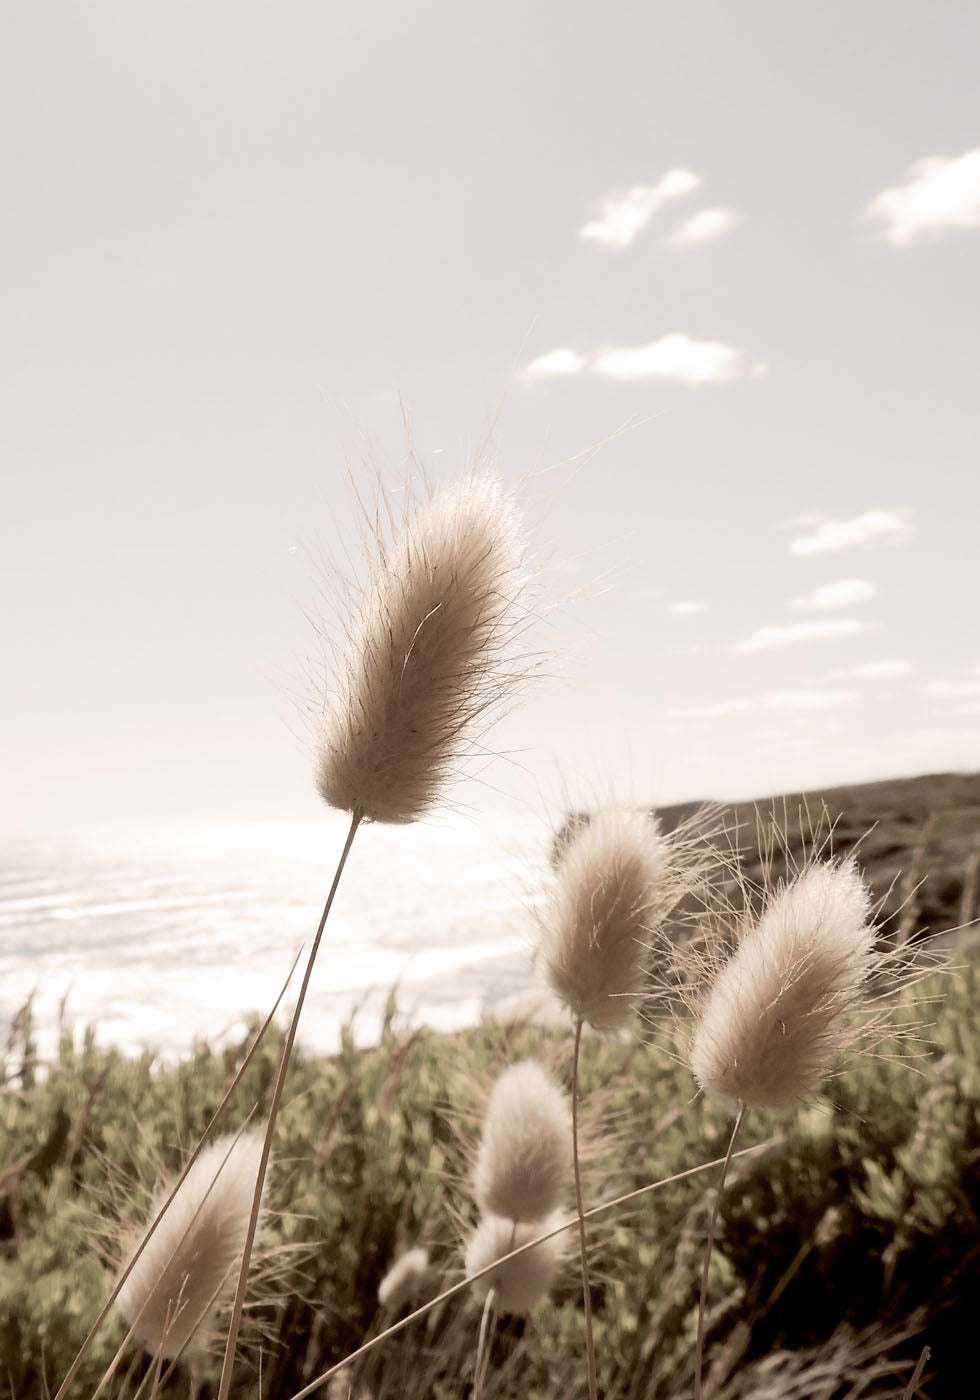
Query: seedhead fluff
429,654
404,1279
189,1268
608,898
520,1282
780,1013
524,1159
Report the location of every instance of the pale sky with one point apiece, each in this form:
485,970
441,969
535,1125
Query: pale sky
235,233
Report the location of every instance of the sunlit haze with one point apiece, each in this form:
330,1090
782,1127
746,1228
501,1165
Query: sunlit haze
703,277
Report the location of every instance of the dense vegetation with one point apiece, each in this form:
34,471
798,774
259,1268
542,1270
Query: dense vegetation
854,1237
847,1245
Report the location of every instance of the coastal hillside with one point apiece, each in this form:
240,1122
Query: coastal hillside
916,839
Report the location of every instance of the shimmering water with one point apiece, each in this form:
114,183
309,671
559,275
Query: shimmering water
158,938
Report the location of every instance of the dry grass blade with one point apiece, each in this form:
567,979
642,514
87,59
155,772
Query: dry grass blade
239,1303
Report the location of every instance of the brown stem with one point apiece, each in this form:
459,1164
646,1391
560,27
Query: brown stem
712,1226
287,1050
583,1250
483,1345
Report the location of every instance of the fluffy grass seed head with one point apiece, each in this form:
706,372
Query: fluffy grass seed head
404,1279
189,1269
519,1283
525,1154
606,903
780,1012
428,655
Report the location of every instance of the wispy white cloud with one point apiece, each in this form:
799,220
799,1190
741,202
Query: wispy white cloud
846,593
950,690
765,638
786,701
678,357
623,216
939,195
872,670
675,357
808,699
871,528
723,707
556,364
706,226
686,609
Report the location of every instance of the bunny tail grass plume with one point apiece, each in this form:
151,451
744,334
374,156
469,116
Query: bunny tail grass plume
608,898
520,1282
189,1268
525,1153
428,654
780,1012
404,1279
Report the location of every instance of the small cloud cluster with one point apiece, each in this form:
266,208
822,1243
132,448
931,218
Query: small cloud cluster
864,531
706,226
939,195
787,634
686,609
675,357
846,593
622,217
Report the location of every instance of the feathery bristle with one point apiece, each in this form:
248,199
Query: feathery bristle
525,1153
519,1283
428,654
780,1012
204,1231
607,902
404,1279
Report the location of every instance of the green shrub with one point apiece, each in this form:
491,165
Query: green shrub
857,1228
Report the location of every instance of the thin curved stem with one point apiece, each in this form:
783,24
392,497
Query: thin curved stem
583,1248
712,1227
909,1392
287,1050
483,1344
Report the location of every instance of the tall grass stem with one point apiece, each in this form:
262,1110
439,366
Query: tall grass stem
583,1248
287,1050
483,1344
712,1227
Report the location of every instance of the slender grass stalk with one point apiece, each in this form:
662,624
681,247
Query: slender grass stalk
487,1319
97,1325
457,1288
583,1248
909,1392
712,1227
287,1050
158,1368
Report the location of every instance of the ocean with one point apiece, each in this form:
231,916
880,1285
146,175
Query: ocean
160,938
